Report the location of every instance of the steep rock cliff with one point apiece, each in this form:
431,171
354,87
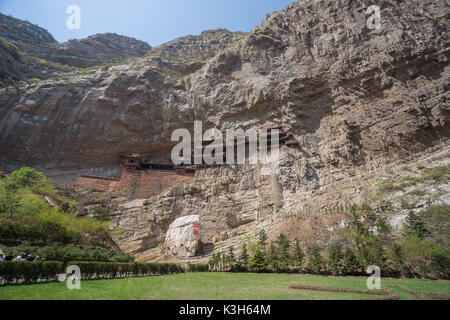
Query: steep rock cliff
356,100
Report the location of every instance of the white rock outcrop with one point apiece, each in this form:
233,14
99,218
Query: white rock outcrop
181,239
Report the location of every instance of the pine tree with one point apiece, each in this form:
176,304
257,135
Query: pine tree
272,258
415,226
315,263
231,259
335,259
283,252
224,261
297,255
211,262
350,263
257,260
379,255
262,240
243,257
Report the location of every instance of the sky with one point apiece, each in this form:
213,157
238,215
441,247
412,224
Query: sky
153,21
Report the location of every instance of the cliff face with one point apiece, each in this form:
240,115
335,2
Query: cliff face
89,52
30,52
204,46
19,30
356,100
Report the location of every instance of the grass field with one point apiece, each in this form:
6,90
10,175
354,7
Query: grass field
217,286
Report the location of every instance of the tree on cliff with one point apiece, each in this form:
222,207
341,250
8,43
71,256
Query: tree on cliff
415,226
262,240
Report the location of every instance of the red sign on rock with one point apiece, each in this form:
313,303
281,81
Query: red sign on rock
196,228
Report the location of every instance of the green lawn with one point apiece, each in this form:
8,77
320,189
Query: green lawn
207,286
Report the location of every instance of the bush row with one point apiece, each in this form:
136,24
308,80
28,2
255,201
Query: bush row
30,272
13,272
66,253
198,267
109,270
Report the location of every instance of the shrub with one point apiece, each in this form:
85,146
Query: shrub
107,270
198,267
122,257
12,272
73,253
25,215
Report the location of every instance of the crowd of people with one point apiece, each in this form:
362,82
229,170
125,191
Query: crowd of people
21,257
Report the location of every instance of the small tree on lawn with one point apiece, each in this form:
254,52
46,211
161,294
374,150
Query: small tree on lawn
211,263
272,258
231,259
283,252
335,258
216,261
297,255
257,260
243,257
350,263
224,261
315,263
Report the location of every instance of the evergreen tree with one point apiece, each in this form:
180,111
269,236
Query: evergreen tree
216,261
297,255
396,257
262,240
415,226
315,263
383,230
231,259
211,262
272,258
335,258
379,256
243,257
283,252
224,261
351,264
257,260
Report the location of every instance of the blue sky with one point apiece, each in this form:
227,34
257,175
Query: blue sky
153,21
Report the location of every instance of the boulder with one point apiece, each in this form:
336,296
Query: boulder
181,240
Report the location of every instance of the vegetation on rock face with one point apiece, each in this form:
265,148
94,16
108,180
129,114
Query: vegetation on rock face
27,215
65,253
368,240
